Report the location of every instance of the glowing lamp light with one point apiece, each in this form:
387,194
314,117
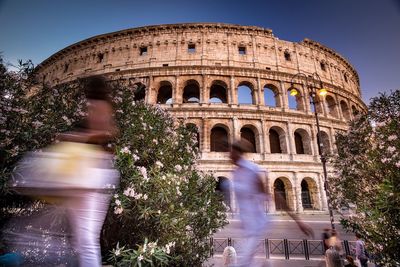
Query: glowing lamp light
293,92
323,92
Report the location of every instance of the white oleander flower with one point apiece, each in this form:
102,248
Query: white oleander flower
178,168
126,150
159,164
118,210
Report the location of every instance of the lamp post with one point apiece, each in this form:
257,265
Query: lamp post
313,91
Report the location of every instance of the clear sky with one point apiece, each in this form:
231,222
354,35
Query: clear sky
367,32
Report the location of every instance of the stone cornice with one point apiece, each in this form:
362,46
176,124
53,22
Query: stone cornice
156,29
317,45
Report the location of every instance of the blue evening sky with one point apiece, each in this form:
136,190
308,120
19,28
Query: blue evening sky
367,32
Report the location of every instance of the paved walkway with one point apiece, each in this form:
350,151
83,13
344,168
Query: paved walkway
262,262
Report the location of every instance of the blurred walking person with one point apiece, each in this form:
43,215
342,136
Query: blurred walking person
87,210
361,253
251,196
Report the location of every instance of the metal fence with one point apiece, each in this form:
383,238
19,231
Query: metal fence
280,248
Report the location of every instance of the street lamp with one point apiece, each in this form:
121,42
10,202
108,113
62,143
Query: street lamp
313,91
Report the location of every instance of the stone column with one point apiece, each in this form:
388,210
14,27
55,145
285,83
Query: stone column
297,192
261,101
307,104
339,109
290,137
320,179
177,94
332,139
236,131
314,141
284,96
205,146
270,180
266,145
204,90
150,92
233,91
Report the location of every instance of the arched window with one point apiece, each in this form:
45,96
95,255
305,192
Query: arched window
274,141
219,139
277,140
299,143
325,143
302,142
280,194
305,195
193,128
245,93
164,95
331,105
191,92
309,193
248,134
218,91
271,96
318,104
345,110
139,91
224,187
295,101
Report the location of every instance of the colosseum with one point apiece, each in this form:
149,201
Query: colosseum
231,82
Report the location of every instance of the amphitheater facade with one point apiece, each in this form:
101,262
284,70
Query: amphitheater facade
197,71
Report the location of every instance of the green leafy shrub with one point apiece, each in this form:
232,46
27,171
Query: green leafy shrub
367,178
162,197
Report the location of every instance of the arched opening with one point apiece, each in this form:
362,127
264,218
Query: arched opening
309,194
224,187
283,193
274,141
302,142
325,143
318,104
139,91
218,92
245,93
219,139
331,106
354,110
248,134
164,95
345,110
295,100
191,92
277,140
271,96
195,131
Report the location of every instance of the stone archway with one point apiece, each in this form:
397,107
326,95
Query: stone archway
309,194
283,188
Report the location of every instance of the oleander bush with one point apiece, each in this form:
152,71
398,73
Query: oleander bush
367,178
165,208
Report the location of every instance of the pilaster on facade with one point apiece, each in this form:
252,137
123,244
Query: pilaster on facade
260,91
321,184
233,91
297,192
284,96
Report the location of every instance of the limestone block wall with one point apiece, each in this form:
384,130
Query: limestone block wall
183,66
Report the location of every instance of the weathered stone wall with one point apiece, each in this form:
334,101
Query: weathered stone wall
230,56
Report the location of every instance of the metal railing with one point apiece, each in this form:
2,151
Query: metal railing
281,248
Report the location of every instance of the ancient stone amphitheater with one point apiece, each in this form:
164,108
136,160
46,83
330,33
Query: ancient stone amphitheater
230,81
